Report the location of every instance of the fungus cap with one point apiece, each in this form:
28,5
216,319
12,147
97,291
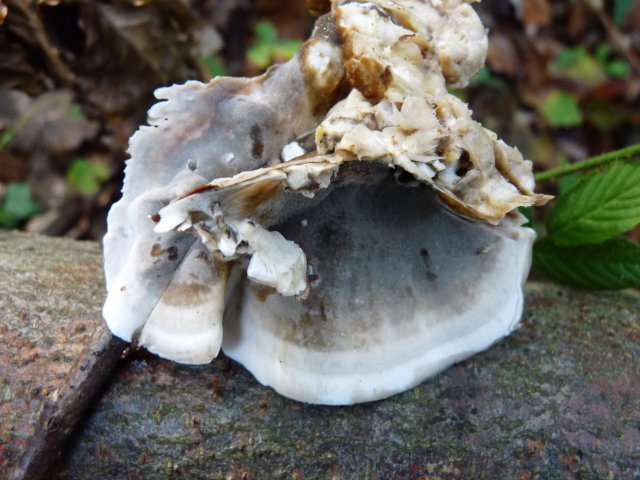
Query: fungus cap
340,225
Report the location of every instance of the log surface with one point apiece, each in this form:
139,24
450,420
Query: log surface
559,398
51,290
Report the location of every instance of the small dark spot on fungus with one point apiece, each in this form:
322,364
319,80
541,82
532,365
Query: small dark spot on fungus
332,235
262,292
424,254
157,250
257,145
219,385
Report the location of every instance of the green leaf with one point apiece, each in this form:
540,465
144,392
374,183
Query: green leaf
16,205
87,176
286,49
265,32
6,136
561,110
214,64
260,55
528,214
615,68
567,182
578,65
620,10
602,52
610,265
618,68
459,93
268,47
568,57
486,78
76,113
600,206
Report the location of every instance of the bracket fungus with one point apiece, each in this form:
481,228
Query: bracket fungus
339,225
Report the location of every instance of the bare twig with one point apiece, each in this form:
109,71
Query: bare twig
51,54
618,40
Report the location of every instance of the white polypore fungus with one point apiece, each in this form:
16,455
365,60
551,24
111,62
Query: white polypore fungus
375,257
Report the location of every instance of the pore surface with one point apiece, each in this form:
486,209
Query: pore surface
401,288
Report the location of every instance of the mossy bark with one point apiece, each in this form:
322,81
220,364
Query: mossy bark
560,398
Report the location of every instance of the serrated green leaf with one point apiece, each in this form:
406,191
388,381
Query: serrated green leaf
567,182
600,206
610,265
561,110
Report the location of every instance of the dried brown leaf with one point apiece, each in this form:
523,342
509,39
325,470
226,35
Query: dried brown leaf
536,12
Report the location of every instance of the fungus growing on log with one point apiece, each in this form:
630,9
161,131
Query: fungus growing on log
339,225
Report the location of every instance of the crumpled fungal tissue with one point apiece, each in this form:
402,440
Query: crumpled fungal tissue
340,225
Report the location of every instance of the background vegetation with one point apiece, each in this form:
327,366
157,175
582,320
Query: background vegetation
562,83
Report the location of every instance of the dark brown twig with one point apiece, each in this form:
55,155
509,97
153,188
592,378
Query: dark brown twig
39,36
618,40
60,415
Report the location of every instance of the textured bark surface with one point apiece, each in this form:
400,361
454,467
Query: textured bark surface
560,398
61,413
51,292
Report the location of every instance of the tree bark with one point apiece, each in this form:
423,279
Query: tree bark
60,414
50,295
559,398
